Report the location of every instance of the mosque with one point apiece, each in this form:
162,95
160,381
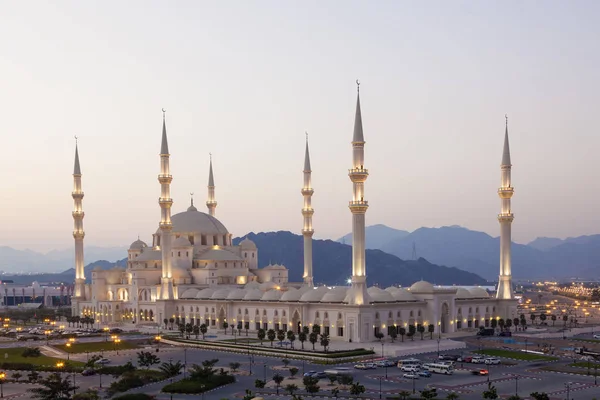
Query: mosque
192,272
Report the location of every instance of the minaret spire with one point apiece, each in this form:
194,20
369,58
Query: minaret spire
211,203
165,201
358,207
506,217
307,213
78,232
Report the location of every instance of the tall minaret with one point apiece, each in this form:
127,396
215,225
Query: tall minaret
307,213
78,232
211,203
505,218
165,201
358,206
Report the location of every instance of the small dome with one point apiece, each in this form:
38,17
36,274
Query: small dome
138,245
392,289
253,294
271,295
220,294
274,266
236,294
463,293
350,296
378,295
314,295
252,285
403,295
247,244
205,293
421,287
181,241
335,295
267,286
189,294
178,272
479,292
294,294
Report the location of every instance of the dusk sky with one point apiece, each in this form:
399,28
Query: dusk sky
245,79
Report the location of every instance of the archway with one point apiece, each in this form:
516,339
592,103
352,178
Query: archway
296,321
221,317
444,318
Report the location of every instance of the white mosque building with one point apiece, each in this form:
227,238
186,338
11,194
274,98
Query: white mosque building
192,272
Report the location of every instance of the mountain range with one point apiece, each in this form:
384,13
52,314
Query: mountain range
478,252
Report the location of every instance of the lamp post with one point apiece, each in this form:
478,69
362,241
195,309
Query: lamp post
438,352
157,338
382,356
380,378
516,385
2,377
105,329
525,345
68,345
568,386
413,382
265,371
184,360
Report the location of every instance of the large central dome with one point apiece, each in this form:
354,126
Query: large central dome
192,221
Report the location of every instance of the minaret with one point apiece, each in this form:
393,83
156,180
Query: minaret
358,206
307,213
78,232
165,201
211,203
505,218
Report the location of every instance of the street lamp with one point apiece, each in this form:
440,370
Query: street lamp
184,360
68,352
438,353
382,356
413,381
525,345
117,341
106,329
2,377
516,385
157,338
265,371
380,378
568,386
47,333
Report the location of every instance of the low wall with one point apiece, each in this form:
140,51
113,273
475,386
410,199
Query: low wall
428,346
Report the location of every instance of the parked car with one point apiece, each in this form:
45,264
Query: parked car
371,365
116,330
467,359
410,368
103,361
386,363
88,372
449,357
425,374
319,375
492,361
477,360
596,336
360,366
310,373
506,334
410,376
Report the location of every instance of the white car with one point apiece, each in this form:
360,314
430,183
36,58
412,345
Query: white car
410,376
492,361
409,368
103,361
360,366
477,360
596,336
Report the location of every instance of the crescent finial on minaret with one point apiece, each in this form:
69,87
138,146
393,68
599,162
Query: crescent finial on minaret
357,85
76,138
506,117
164,112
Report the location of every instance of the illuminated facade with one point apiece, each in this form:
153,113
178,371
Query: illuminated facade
192,272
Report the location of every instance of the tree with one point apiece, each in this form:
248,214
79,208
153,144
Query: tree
523,322
402,332
205,371
508,324
540,396
171,321
271,336
532,316
280,336
310,384
305,330
404,394
277,379
332,379
514,397
33,376
181,329
261,335
316,329
501,323
171,369
290,389
553,318
203,330
494,323
89,394
313,338
291,336
379,335
452,396
543,317
491,392
428,393
166,321
325,341
293,372
17,375
302,338
357,389
565,319
285,362
225,326
345,380
430,329
92,361
259,384
335,392
147,359
516,323
411,332
54,388
421,330
196,331
234,366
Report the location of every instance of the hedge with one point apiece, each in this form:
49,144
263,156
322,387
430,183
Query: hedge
189,386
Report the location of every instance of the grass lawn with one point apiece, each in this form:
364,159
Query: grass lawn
97,346
240,340
519,355
585,364
14,356
586,340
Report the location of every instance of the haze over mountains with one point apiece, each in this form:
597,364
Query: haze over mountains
478,252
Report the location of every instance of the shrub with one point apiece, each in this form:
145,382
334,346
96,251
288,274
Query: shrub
189,386
135,396
31,352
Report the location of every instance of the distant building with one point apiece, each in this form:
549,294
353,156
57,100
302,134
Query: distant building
192,272
49,296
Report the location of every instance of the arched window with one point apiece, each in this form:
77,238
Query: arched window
377,315
460,310
265,312
487,309
390,314
339,315
275,313
239,310
246,311
470,310
257,313
326,314
191,309
476,310
494,309
317,315
419,313
398,314
412,313
283,313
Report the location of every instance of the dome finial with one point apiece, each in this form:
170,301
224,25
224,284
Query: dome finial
357,86
191,207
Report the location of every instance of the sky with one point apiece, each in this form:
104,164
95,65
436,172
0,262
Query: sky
244,80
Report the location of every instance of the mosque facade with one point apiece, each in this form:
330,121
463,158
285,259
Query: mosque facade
192,272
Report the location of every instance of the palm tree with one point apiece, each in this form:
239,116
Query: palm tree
431,329
565,319
421,330
553,318
54,387
189,328
261,335
402,332
290,389
543,317
501,323
171,369
166,321
271,336
203,330
393,334
516,323
280,336
171,321
325,341
196,330
452,396
508,323
291,336
225,326
532,316
313,337
277,379
302,338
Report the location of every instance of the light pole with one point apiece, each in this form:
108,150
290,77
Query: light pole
525,345
68,345
382,356
413,382
438,352
568,386
265,372
516,385
2,377
380,378
184,360
157,338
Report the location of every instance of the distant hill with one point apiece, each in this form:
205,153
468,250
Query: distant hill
544,243
377,236
332,263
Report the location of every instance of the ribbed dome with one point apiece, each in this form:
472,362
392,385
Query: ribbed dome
197,222
179,272
205,293
379,295
314,295
294,294
137,245
463,293
252,285
421,287
479,292
247,244
403,295
181,241
392,289
253,294
220,294
189,294
267,286
237,294
335,295
271,295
